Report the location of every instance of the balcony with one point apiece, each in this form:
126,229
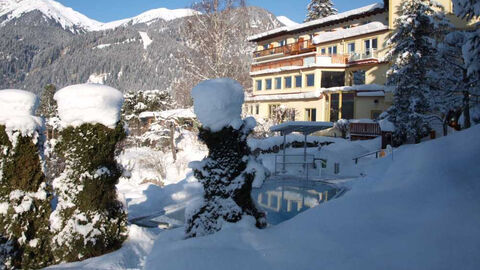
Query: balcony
371,54
302,61
290,49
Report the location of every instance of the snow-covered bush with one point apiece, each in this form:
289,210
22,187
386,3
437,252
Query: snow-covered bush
24,194
88,220
343,126
229,170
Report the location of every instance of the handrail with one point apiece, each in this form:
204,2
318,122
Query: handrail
368,154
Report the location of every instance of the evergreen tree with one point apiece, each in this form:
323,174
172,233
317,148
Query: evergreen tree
229,170
88,220
469,9
414,55
227,181
24,194
48,105
318,9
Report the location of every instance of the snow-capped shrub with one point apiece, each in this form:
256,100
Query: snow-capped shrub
24,194
88,220
229,170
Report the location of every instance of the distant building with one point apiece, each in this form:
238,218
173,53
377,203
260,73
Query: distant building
327,69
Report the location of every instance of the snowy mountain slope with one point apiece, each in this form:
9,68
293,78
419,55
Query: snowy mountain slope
150,16
286,21
68,18
74,21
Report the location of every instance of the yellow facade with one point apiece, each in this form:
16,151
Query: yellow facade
325,67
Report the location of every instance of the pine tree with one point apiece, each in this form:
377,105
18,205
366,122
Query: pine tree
227,180
318,9
24,193
89,220
414,54
469,9
48,105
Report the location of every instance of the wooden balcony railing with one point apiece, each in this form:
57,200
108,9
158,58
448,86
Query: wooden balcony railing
300,61
290,49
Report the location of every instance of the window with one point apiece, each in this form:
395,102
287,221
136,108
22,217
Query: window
298,81
334,107
257,109
351,47
268,84
288,82
278,83
283,42
323,51
370,45
332,50
271,110
311,115
347,105
332,79
265,46
310,80
251,109
359,77
259,85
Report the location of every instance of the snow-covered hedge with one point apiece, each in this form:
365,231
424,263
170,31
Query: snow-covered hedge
89,103
229,170
24,194
88,220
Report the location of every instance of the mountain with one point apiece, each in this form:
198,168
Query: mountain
54,44
150,16
68,18
74,21
286,21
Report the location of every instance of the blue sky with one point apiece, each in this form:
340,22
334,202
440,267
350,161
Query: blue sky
109,10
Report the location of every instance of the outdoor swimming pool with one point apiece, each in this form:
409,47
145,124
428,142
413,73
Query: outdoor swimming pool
284,199
281,199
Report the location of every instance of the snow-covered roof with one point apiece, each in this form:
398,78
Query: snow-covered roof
350,32
386,125
301,126
89,103
319,22
362,90
371,94
177,113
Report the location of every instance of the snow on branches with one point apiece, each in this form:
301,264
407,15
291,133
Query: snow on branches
229,170
318,9
414,53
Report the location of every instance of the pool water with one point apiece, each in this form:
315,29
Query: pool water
280,199
283,199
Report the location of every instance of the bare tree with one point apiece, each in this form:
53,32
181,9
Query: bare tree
216,38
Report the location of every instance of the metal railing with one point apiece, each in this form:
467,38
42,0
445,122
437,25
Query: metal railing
302,162
358,56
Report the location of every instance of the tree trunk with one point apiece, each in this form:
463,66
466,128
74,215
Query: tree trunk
172,141
466,109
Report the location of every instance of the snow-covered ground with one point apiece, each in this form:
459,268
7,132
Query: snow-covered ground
420,210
